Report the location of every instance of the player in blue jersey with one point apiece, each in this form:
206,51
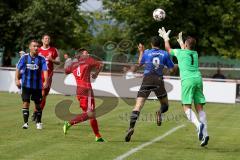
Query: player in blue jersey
31,66
154,61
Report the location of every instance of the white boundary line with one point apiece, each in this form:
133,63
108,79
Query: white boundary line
121,157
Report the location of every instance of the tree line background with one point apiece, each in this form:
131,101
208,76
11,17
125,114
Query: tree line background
215,24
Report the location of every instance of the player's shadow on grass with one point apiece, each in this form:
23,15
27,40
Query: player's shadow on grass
220,150
224,150
62,109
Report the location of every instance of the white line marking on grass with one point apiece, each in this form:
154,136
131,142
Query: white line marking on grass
121,157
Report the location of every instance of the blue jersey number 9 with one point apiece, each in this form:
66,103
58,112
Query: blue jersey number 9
156,62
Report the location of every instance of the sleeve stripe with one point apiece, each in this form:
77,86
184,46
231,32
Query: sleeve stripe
21,59
41,56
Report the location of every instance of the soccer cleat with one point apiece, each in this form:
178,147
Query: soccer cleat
99,139
159,118
129,134
200,131
39,125
25,126
34,117
66,126
204,141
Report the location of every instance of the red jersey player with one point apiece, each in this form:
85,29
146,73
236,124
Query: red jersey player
52,57
81,70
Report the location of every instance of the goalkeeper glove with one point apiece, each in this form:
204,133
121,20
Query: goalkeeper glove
164,34
180,39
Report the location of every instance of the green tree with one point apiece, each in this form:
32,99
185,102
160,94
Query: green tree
108,36
215,24
27,19
9,32
59,18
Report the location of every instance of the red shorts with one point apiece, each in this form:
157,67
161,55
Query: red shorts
86,99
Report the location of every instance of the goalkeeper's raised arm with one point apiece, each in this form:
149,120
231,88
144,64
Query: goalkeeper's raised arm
165,35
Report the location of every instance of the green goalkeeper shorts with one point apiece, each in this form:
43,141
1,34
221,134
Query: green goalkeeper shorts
192,91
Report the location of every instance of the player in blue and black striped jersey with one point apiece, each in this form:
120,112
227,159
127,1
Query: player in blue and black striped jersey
154,61
31,66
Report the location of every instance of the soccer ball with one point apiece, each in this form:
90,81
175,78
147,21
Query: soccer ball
159,14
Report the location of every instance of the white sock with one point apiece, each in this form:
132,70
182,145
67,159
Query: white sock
192,117
203,119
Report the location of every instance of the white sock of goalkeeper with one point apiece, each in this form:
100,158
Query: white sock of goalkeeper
192,117
203,119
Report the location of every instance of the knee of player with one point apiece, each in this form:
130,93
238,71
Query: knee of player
44,96
91,114
137,107
139,104
26,104
199,107
38,107
164,107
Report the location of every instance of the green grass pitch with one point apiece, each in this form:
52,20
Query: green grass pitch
79,144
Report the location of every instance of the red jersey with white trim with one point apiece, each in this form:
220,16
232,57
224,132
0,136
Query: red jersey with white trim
49,52
82,70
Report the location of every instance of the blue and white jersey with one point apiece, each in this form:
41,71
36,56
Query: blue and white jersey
155,60
31,68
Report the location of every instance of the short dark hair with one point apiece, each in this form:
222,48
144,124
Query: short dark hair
45,35
33,40
156,41
80,50
191,42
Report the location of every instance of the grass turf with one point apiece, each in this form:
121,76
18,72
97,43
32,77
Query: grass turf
50,143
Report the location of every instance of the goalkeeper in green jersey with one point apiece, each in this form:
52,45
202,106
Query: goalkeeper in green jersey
191,81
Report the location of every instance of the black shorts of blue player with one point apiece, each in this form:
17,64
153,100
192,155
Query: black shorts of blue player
31,94
153,83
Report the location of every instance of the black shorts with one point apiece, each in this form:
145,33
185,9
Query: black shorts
152,83
33,94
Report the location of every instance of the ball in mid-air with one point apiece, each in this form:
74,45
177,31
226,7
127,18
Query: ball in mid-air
159,14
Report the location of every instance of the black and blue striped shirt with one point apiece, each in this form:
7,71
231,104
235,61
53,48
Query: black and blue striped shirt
31,70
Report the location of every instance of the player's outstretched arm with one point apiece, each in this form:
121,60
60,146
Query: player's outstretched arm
70,65
165,35
98,70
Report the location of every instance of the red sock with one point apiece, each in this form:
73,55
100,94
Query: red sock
94,125
79,118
